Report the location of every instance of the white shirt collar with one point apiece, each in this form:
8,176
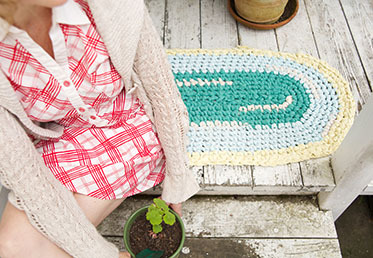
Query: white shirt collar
69,13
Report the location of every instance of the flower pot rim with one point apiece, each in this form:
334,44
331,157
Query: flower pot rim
236,16
135,214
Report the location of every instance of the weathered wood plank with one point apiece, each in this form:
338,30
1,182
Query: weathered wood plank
281,178
223,180
237,248
227,175
183,24
237,180
157,13
296,36
317,175
335,45
262,39
219,29
197,171
242,190
256,38
359,18
294,248
242,216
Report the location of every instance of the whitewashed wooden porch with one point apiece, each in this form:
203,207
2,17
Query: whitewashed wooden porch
336,31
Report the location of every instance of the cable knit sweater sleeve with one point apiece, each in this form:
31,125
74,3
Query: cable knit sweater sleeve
50,207
170,114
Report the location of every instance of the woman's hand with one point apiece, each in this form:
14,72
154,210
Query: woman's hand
124,255
177,207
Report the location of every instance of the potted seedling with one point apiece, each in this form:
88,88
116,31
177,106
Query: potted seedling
154,231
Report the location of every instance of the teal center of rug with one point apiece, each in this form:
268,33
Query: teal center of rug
256,98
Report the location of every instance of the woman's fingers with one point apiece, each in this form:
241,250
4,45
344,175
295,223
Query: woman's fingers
177,207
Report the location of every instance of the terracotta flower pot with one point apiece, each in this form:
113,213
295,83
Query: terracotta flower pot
131,220
260,11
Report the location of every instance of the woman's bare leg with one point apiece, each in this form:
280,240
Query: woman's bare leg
18,238
95,209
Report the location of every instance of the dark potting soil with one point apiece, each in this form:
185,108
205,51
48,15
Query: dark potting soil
167,240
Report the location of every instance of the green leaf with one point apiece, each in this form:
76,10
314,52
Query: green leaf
147,253
154,217
160,204
149,215
157,228
152,208
169,218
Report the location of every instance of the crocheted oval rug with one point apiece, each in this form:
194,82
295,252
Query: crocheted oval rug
254,107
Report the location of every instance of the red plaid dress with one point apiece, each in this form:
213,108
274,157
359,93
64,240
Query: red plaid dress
109,148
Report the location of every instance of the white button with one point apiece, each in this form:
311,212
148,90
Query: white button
66,83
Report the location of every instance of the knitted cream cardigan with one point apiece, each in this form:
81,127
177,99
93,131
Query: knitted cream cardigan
138,55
